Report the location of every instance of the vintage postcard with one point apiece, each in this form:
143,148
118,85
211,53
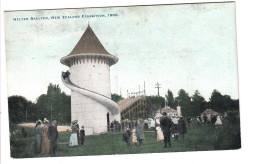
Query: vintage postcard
122,80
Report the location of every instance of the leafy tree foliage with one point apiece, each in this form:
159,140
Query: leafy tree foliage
20,109
183,99
170,99
198,103
115,97
53,105
154,103
216,100
222,103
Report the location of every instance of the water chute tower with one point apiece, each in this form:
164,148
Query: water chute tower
89,80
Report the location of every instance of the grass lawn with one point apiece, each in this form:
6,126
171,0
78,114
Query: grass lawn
198,138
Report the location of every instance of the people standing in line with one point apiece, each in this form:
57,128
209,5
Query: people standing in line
38,136
53,136
166,124
140,132
82,135
134,138
45,142
182,127
73,136
126,137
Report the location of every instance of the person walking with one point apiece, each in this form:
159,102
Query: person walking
140,132
53,136
38,136
166,124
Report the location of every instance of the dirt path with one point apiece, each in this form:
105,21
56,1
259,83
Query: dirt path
32,125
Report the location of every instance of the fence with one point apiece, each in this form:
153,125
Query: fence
121,127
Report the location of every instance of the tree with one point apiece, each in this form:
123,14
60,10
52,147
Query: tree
54,105
20,109
115,97
154,103
170,99
184,101
216,101
198,103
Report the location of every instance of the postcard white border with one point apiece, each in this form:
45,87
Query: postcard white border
248,27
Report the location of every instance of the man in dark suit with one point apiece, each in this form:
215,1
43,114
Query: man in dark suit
166,124
53,136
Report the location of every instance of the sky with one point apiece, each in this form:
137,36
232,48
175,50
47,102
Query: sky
190,47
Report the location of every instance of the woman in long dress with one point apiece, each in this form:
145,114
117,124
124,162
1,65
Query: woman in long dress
160,136
45,142
73,136
38,136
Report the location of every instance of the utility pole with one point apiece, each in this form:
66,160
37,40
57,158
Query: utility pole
158,86
51,102
139,90
144,88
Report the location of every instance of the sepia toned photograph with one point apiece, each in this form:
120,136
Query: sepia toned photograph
122,80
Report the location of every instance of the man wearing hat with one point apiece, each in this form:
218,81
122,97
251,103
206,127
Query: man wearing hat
166,124
53,136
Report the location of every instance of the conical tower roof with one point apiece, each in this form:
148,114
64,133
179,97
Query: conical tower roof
88,43
88,47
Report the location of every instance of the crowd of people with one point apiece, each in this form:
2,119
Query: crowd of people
137,134
212,119
46,136
166,128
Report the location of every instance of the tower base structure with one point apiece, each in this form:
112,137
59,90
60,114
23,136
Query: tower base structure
90,114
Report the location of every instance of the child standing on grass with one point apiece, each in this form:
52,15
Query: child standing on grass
134,138
159,134
82,135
